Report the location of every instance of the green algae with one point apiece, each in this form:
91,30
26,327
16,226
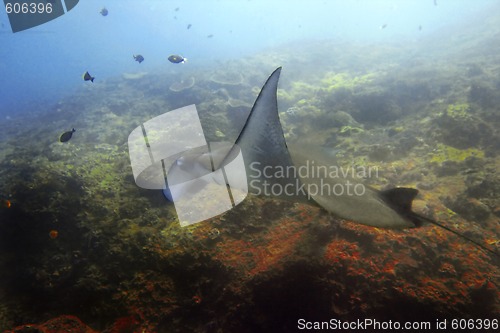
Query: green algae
348,130
398,129
300,92
459,111
447,153
333,81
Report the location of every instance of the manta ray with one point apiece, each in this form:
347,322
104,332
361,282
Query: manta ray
271,164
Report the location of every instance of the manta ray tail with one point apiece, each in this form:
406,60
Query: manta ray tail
401,198
481,246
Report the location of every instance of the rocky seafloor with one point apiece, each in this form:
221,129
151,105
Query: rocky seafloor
120,262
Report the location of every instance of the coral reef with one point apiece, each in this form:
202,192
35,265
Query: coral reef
182,85
461,128
229,78
122,263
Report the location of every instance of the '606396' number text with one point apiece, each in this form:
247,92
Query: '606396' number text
28,8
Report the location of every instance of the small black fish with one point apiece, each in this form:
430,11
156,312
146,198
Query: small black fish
177,9
104,11
177,59
419,28
139,58
210,36
88,77
66,135
383,26
189,26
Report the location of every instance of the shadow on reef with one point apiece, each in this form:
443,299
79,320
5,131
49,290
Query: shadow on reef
44,244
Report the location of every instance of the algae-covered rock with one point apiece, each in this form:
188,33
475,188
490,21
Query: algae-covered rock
375,107
483,95
461,128
379,152
333,81
348,130
470,208
343,118
443,153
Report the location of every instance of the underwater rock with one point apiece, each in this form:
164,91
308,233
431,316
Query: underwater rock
59,151
452,160
483,95
342,118
472,209
480,185
448,168
182,85
227,78
474,70
411,176
406,143
348,130
380,152
378,108
394,130
461,128
447,153
425,186
496,211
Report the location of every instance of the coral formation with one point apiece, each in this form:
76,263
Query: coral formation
443,153
122,263
333,81
182,85
229,78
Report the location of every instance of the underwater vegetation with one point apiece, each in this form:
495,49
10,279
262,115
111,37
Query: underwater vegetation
83,248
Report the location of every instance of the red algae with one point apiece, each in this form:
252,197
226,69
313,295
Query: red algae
124,325
254,257
59,324
342,251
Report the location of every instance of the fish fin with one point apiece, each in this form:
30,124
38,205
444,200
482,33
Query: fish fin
263,144
92,79
400,199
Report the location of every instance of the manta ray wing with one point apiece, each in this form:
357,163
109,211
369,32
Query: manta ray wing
264,147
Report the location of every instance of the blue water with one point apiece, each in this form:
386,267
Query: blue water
41,65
